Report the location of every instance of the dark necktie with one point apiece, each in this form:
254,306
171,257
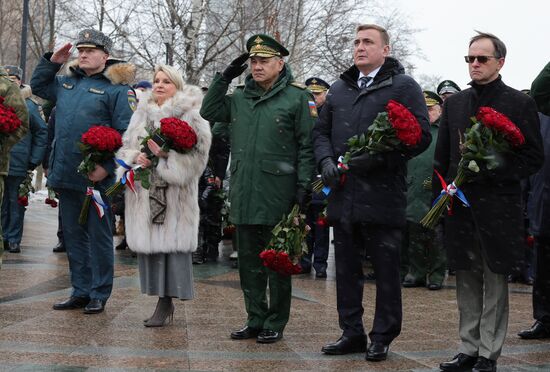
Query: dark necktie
364,82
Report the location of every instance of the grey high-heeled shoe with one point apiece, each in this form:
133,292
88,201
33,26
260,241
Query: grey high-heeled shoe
163,312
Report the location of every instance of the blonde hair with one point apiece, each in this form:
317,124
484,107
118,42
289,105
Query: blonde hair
172,73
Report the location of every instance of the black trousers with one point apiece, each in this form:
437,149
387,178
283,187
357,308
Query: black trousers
383,244
541,287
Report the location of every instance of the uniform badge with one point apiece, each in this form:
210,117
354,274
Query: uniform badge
132,101
312,109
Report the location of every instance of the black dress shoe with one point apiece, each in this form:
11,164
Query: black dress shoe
434,286
71,303
245,333
14,248
537,331
95,306
346,345
321,274
485,365
460,362
377,352
268,336
60,247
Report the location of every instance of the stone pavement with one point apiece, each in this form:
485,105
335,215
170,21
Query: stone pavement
33,337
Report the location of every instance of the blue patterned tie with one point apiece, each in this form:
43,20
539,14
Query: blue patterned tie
364,81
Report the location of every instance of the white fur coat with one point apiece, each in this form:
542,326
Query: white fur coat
179,232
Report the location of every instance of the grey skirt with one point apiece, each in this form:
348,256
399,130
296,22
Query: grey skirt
166,275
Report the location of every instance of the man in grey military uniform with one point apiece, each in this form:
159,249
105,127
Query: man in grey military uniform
95,91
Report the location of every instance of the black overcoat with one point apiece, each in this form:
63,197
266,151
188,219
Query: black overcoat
495,215
378,197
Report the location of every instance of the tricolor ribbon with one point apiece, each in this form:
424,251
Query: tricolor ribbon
99,204
129,174
343,168
450,190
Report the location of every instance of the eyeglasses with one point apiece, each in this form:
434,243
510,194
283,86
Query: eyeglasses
480,59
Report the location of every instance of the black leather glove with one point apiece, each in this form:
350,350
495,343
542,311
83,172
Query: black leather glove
236,67
365,162
303,199
329,172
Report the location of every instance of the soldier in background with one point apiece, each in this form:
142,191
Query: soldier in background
424,249
318,238
25,156
11,94
447,88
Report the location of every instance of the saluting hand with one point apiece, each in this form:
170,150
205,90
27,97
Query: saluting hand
236,67
62,55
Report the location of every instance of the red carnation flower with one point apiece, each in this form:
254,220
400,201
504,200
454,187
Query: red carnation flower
9,121
23,200
407,128
500,123
179,133
102,138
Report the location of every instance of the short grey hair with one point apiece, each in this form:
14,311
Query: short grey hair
172,73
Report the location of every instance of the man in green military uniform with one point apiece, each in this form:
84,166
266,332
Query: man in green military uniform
9,91
270,120
423,246
447,88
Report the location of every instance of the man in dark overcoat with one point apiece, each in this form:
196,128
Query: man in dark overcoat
539,215
485,241
367,211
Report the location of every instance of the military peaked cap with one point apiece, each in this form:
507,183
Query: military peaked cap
261,45
316,85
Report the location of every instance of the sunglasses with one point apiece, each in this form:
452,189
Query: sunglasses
480,59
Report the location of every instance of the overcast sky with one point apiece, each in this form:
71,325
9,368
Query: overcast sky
447,26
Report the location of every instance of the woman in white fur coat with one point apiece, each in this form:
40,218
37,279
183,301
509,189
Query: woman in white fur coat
162,222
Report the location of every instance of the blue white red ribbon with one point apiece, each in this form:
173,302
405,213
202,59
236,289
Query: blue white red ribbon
343,168
98,202
451,190
129,174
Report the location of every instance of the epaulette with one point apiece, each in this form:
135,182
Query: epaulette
298,85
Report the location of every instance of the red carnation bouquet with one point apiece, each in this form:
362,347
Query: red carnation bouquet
25,188
392,129
9,121
491,135
173,134
287,244
98,145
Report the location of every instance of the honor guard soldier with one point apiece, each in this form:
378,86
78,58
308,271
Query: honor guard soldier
94,91
270,120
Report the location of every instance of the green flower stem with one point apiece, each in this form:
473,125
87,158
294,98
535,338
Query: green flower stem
431,219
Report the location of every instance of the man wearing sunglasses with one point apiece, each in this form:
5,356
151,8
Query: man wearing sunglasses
485,241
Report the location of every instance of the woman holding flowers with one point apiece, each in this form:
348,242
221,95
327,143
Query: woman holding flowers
162,211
